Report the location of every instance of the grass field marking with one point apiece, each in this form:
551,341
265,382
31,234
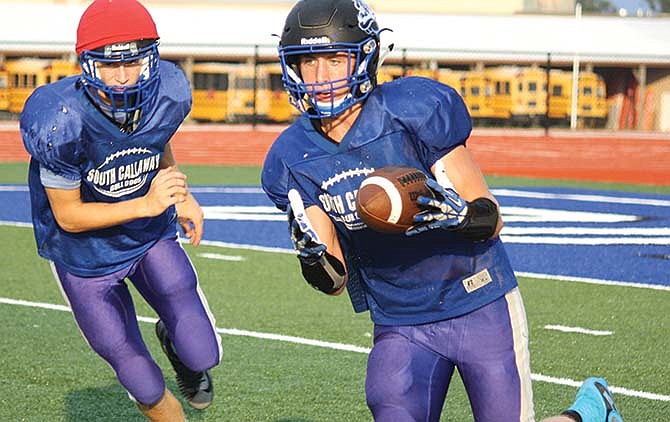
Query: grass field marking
223,189
243,213
579,330
495,191
581,197
293,339
228,245
244,209
591,281
618,390
585,241
13,188
517,273
49,306
15,224
516,214
603,231
340,346
234,258
196,189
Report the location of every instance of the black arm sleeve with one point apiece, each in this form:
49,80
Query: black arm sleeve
480,221
327,274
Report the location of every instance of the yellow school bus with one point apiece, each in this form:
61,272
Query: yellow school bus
225,92
4,91
280,109
518,94
210,86
591,98
26,74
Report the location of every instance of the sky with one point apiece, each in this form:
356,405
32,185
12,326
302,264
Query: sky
630,5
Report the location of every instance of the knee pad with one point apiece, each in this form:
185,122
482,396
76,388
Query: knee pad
197,343
142,378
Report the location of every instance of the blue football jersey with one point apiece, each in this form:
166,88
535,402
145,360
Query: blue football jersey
401,280
68,136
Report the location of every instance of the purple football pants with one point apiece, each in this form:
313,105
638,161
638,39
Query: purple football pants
104,311
410,367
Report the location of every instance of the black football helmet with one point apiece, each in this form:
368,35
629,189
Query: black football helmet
330,26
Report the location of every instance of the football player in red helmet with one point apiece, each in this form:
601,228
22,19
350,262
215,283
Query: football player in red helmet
107,200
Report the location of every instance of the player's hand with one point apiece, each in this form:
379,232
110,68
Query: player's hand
446,210
191,219
167,188
306,242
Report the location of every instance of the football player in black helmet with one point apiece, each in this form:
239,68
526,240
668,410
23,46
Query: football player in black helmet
443,295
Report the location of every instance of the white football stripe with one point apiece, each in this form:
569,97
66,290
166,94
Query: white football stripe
583,231
581,197
578,330
391,192
539,215
221,257
592,241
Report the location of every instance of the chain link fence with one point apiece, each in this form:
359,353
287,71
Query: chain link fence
242,84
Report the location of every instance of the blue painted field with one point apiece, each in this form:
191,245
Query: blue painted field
601,235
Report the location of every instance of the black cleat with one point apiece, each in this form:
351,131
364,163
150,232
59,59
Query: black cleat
195,386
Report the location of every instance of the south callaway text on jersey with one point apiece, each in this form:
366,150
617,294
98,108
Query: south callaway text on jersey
67,135
401,280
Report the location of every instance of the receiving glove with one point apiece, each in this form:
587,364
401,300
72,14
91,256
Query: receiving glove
447,210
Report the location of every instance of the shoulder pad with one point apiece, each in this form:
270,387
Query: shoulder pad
50,128
174,83
406,90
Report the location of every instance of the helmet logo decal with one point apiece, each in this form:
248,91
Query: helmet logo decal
127,47
315,40
366,17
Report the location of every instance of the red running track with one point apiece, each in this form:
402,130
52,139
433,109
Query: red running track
561,154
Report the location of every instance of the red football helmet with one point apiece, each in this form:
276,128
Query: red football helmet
114,21
118,31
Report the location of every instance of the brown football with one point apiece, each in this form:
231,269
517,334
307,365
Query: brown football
386,199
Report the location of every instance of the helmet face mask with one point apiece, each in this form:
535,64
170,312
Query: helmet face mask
330,27
304,96
127,98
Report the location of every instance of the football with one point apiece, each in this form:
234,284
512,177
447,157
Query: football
386,199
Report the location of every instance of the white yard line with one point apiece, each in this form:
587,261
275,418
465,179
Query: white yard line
592,281
581,197
344,347
234,258
578,330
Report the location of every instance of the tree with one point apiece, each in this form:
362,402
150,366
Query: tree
662,6
599,6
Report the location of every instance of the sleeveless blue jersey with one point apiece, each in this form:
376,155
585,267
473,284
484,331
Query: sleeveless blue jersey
401,280
66,134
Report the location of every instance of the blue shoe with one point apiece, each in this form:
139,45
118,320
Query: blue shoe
595,403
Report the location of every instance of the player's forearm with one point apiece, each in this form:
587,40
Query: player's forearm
167,159
89,216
